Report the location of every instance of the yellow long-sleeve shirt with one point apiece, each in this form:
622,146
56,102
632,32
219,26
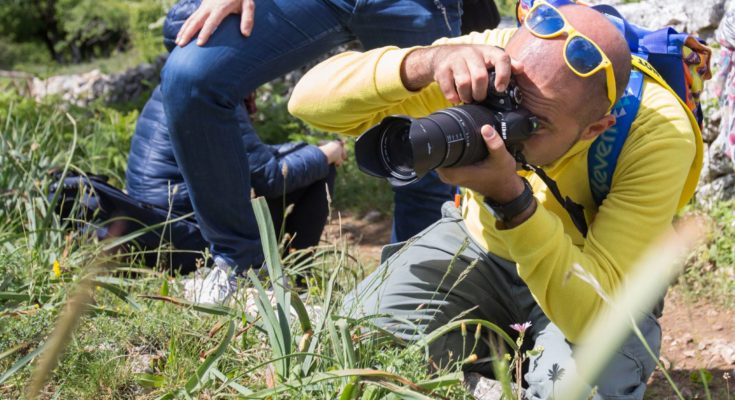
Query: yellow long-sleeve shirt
656,172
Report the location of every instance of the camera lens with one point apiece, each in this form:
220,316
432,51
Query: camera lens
395,148
403,149
450,137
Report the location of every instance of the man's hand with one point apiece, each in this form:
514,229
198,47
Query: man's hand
494,177
460,70
210,14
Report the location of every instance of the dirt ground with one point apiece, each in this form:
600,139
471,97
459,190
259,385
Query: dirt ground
695,335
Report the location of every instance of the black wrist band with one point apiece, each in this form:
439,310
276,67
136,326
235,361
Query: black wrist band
506,212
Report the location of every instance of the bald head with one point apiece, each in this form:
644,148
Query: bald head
544,64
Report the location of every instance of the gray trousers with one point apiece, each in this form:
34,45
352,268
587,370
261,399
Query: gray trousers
442,275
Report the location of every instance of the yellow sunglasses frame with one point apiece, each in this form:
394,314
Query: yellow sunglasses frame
572,33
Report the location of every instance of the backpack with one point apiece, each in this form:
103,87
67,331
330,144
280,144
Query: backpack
677,61
89,203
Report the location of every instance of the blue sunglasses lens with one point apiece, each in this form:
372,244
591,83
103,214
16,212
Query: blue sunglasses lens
544,20
582,55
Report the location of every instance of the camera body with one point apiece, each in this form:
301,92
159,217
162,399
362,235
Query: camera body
403,149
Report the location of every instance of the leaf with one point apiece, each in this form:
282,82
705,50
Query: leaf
205,308
150,380
701,377
242,390
116,242
279,345
201,375
381,378
436,334
301,312
445,380
21,363
119,292
164,288
273,265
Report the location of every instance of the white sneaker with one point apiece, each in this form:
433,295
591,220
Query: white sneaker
215,288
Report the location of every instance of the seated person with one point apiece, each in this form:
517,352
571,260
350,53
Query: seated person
506,255
291,174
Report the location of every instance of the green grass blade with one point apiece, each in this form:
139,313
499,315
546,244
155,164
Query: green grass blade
52,204
21,363
436,334
300,309
213,309
240,389
445,380
120,293
115,242
270,322
201,375
273,265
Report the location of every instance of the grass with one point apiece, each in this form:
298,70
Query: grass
710,272
110,324
118,329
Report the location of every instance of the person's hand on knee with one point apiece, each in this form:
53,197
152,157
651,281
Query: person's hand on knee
210,14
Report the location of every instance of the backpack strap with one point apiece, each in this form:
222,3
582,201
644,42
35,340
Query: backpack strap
603,154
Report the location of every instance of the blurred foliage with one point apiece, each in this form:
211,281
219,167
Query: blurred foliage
36,139
710,272
75,31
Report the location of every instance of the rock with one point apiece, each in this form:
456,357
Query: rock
701,17
723,349
82,89
720,189
711,124
687,338
483,388
372,216
719,164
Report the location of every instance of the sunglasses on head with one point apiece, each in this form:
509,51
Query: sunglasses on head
583,56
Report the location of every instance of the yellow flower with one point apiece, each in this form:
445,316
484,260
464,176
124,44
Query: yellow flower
57,269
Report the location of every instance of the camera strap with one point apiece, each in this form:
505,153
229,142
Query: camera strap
575,210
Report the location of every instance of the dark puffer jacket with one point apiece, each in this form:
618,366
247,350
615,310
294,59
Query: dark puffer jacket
153,174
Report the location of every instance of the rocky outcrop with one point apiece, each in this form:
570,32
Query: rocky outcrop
700,17
82,89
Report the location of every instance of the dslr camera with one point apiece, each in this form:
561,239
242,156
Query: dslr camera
403,149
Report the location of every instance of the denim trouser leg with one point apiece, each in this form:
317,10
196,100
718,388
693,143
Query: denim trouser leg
203,86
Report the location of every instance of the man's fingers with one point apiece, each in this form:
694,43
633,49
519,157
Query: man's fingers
190,28
248,17
445,79
463,82
493,141
479,81
210,25
501,62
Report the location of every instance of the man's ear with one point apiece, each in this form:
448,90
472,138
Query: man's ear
596,128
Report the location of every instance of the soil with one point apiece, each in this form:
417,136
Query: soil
697,336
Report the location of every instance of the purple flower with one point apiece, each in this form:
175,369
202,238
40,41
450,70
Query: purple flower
521,328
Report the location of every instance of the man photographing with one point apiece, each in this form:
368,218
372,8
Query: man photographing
506,255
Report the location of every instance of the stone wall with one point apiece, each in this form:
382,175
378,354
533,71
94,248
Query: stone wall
81,89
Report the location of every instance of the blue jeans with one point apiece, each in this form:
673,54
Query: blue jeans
203,89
